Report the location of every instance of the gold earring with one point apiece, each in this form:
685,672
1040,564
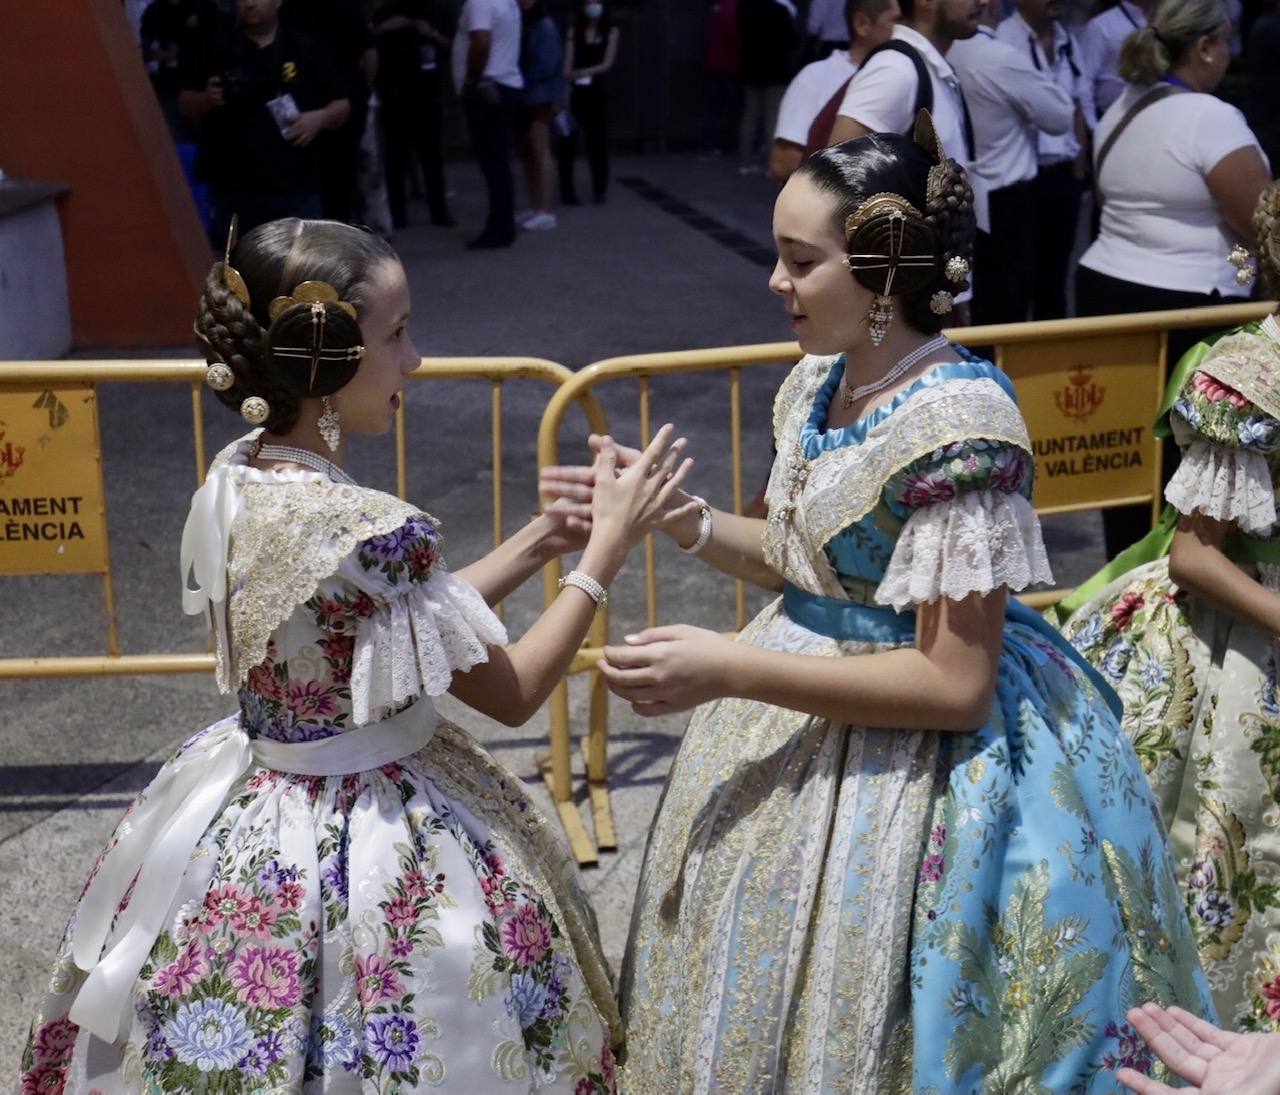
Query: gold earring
879,318
330,428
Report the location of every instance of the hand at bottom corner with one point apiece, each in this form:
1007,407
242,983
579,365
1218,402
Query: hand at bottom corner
1211,1060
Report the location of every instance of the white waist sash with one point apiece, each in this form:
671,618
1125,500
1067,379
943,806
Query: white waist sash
156,842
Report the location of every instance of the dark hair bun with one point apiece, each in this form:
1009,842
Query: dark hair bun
315,348
896,232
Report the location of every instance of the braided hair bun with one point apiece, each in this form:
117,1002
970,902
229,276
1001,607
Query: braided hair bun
949,212
269,350
231,334
315,347
933,234
1266,223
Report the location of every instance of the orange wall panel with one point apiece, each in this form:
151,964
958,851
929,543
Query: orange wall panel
76,108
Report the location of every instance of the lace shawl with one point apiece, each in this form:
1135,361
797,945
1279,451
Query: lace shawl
843,485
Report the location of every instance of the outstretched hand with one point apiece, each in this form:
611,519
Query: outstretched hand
631,502
667,669
1211,1060
572,486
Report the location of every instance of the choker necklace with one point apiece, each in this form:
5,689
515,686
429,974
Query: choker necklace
305,457
850,396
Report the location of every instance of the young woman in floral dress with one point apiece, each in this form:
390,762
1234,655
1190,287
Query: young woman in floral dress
904,846
1184,625
339,891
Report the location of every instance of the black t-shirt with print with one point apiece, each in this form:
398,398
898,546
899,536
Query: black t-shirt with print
241,146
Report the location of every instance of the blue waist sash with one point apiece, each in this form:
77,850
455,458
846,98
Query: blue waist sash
853,622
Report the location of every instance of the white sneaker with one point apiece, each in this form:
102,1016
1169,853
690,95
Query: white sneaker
524,215
540,222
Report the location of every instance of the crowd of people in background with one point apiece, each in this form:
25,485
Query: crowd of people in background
337,108
1160,117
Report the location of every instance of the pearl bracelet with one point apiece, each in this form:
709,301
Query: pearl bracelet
588,585
704,528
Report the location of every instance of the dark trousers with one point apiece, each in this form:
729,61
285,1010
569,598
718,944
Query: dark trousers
412,118
1100,295
252,209
492,128
590,108
1003,259
339,153
1056,204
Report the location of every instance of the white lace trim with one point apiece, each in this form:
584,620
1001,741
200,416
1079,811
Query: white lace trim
974,543
415,643
1225,484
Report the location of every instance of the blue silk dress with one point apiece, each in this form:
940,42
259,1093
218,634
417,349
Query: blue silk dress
825,907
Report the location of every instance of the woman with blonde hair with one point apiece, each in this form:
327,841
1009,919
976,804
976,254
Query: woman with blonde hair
1178,173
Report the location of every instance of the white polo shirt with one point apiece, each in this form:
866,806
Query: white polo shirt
1160,224
1010,102
1069,69
1103,36
882,97
811,90
501,18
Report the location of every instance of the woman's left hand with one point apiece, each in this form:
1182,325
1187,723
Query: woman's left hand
667,669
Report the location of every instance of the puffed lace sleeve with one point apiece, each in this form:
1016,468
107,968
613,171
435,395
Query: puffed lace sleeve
970,527
1225,440
414,623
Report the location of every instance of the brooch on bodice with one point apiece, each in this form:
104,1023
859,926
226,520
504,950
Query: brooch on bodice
797,476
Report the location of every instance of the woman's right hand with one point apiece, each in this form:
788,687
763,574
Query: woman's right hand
631,499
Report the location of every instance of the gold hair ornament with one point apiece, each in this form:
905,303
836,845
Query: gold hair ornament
957,269
1246,268
317,295
255,410
229,274
310,292
897,210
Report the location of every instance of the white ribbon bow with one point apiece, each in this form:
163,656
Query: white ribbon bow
206,542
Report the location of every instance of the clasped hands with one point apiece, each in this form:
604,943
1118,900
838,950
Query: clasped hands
661,670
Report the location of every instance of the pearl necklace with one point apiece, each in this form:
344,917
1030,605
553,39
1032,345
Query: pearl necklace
306,458
848,396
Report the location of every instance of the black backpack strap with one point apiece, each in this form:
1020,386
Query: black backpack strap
924,89
924,86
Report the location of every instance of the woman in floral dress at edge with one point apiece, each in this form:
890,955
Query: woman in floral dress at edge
339,891
904,845
1184,625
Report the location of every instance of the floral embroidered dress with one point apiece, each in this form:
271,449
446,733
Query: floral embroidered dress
1199,685
340,892
825,907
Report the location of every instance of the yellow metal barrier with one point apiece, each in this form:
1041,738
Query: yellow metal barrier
45,375
1007,340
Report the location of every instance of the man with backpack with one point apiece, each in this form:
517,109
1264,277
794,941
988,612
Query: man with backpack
809,106
910,72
